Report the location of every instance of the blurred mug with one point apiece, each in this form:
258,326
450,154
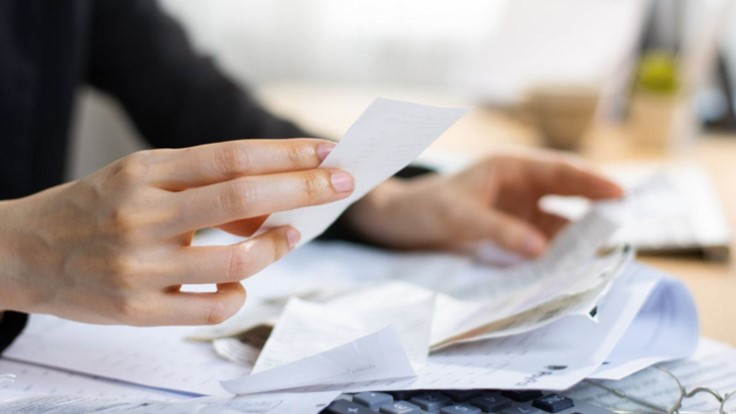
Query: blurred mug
562,113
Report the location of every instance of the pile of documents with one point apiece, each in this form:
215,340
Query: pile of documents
339,317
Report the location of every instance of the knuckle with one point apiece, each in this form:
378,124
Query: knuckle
232,160
122,222
237,196
299,154
128,311
240,264
278,248
314,184
133,168
216,313
122,226
121,270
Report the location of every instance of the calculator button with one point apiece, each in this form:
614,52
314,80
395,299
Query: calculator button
491,402
404,394
400,407
460,409
431,401
347,407
372,400
522,395
462,395
553,403
522,409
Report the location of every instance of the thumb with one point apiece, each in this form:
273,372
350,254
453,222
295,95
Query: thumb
511,233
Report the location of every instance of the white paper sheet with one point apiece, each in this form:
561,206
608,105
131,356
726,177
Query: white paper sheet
377,356
407,307
31,379
156,357
385,138
665,329
61,404
272,403
320,327
314,327
276,403
566,279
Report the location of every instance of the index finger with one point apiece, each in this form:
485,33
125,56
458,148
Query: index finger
177,169
564,177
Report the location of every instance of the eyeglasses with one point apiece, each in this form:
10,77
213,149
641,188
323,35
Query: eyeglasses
657,390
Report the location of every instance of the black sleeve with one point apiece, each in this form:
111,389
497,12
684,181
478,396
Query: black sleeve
175,97
11,324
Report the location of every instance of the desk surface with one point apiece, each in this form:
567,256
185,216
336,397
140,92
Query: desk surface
329,110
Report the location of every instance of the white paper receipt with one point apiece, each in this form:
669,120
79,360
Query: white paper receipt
385,138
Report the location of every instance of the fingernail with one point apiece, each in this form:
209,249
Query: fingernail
292,237
342,182
323,150
534,244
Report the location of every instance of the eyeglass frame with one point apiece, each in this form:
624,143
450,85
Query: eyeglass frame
675,408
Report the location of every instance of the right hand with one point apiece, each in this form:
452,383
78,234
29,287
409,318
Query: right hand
115,246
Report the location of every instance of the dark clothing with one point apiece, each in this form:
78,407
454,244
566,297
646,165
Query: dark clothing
127,48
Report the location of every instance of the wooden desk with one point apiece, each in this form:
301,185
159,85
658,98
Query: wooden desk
329,110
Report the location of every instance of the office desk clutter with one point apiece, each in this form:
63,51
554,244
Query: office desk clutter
374,331
333,317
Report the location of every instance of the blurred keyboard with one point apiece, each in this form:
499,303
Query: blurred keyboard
459,402
672,210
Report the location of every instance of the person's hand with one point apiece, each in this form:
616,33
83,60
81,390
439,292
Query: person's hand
115,247
496,199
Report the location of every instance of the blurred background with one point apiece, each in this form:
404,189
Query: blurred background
663,69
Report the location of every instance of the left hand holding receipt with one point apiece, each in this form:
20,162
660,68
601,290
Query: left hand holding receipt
115,246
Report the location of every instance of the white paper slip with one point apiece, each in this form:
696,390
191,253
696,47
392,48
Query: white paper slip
569,278
665,329
156,357
377,356
276,403
321,327
31,379
314,327
385,138
407,307
271,403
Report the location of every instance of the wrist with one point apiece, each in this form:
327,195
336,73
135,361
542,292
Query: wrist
373,205
12,295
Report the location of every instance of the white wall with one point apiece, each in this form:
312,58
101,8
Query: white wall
378,41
